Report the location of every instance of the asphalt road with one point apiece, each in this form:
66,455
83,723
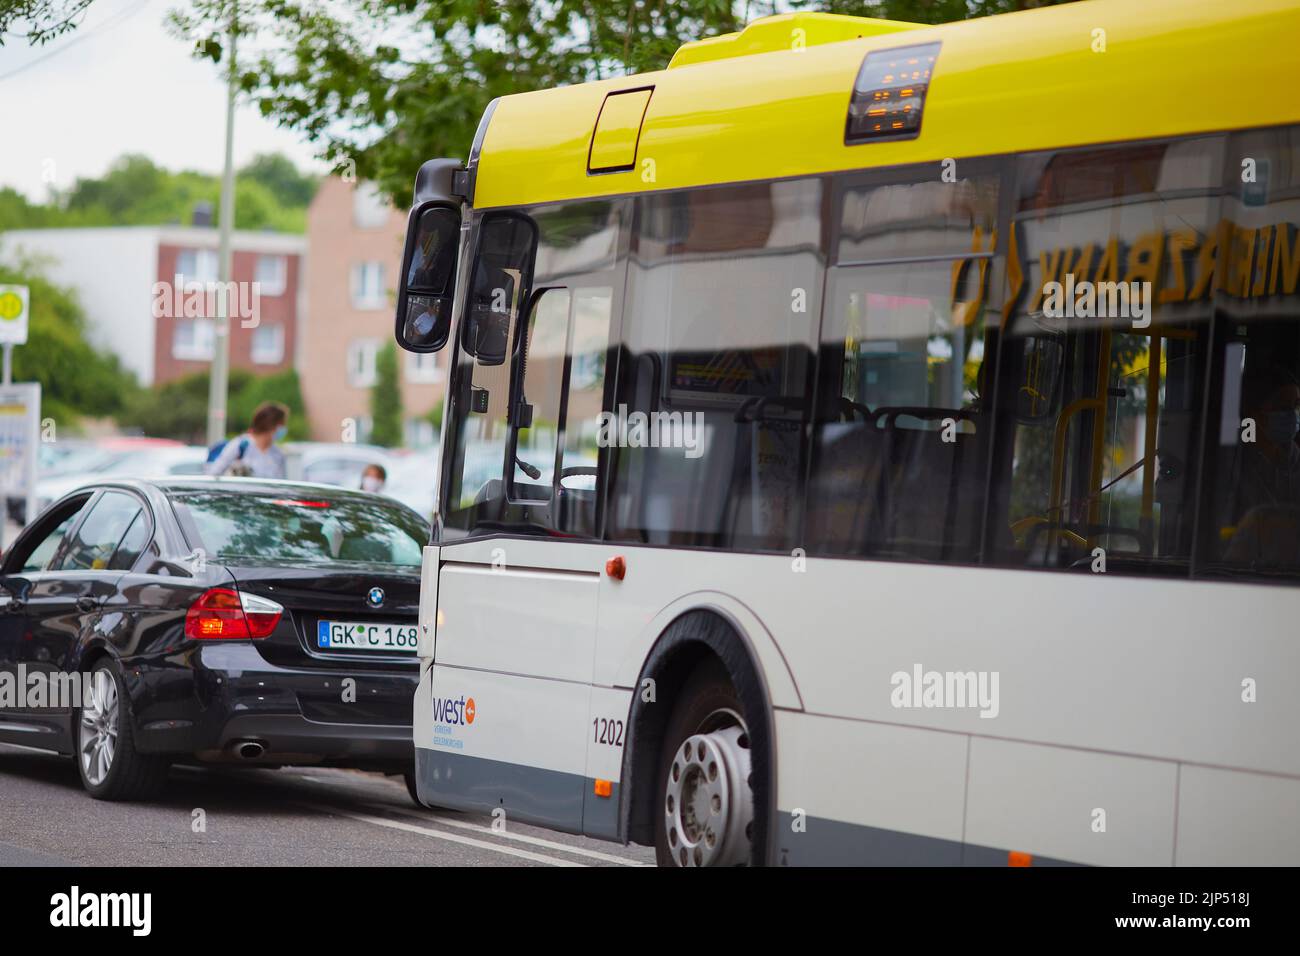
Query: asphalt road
288,817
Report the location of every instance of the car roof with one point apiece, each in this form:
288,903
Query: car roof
174,483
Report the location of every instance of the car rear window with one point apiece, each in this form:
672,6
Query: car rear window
307,527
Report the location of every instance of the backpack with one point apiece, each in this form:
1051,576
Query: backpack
215,451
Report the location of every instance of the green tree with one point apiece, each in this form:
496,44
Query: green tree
247,391
179,408
385,84
38,21
290,187
77,379
386,400
134,191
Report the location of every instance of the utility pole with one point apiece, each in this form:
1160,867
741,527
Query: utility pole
220,375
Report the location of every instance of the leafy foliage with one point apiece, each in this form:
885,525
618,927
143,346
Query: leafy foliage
382,85
270,193
386,400
39,20
77,379
179,408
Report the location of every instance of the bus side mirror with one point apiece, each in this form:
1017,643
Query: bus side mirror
428,276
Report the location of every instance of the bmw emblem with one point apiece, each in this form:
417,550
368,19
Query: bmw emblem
375,597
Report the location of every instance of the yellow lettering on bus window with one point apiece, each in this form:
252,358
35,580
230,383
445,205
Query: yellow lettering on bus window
1049,267
1015,276
1206,265
1259,284
1181,242
1286,260
1242,248
1108,267
1146,259
1079,265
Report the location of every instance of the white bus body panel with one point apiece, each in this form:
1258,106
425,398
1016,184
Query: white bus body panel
1114,693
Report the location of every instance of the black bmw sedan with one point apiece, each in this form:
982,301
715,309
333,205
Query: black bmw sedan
220,620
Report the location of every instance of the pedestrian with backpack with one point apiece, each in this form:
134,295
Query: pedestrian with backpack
254,453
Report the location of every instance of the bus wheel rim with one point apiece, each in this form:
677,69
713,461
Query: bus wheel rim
708,806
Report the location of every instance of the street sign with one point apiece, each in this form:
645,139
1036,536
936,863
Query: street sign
20,437
13,314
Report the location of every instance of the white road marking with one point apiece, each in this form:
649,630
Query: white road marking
521,837
440,835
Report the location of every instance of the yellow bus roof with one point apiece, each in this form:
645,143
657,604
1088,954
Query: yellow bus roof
770,102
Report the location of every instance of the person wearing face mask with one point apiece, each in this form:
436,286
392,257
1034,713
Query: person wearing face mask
373,478
254,454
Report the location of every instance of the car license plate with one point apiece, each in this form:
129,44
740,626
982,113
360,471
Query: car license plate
358,636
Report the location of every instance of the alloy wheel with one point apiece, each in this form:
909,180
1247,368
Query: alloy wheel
99,721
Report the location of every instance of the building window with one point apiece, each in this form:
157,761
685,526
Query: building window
368,286
268,344
272,274
370,210
192,340
361,362
422,368
197,265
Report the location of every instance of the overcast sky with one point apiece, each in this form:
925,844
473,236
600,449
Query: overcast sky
120,83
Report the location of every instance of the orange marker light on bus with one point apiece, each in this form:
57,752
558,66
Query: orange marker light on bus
603,788
616,567
1017,858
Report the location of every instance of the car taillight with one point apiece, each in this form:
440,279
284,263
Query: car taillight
225,614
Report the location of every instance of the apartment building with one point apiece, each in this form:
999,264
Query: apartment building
354,242
119,272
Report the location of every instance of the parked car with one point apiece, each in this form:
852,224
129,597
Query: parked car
233,620
128,460
71,462
332,463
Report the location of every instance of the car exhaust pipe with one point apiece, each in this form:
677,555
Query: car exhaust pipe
250,749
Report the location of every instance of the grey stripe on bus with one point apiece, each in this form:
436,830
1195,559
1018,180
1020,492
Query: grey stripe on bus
549,798
566,802
825,842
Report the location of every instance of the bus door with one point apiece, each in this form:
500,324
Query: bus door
517,594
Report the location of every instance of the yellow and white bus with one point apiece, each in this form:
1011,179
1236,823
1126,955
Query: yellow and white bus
876,443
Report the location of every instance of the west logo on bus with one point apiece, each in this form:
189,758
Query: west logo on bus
454,711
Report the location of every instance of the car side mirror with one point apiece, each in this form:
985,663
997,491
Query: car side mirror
14,588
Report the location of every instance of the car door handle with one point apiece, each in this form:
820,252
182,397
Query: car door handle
86,603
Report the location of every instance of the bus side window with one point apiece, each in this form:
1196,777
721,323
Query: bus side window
525,430
498,291
1109,304
581,418
535,413
1250,510
901,435
709,420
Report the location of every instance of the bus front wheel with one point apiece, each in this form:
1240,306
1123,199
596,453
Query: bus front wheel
706,811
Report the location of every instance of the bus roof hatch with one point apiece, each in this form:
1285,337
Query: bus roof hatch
618,129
